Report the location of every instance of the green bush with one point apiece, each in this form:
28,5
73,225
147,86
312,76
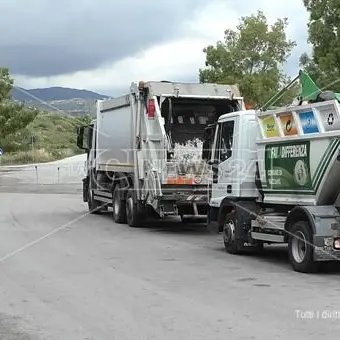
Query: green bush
26,157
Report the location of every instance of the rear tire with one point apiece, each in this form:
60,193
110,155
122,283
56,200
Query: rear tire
231,245
300,248
118,206
134,217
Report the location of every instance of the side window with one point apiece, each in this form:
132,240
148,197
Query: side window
225,138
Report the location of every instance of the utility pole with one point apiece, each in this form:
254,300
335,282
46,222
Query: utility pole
32,144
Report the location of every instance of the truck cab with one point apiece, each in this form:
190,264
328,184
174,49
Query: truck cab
233,159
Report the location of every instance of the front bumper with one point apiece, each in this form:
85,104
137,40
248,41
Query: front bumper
323,249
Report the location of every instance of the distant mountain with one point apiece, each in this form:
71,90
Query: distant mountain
54,93
59,99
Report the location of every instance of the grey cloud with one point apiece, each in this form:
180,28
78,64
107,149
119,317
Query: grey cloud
47,37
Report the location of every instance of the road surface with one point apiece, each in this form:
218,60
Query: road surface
68,275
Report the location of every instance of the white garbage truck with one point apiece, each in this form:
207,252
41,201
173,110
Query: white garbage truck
276,179
145,150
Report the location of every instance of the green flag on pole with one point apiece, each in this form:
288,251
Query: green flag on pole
309,90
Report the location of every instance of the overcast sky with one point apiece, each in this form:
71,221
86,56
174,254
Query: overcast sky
103,45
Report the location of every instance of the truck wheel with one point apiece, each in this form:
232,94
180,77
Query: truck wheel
231,245
300,248
95,207
134,219
118,206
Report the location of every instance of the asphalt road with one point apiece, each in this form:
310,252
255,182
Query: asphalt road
65,274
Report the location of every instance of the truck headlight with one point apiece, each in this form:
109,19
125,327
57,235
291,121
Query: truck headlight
336,243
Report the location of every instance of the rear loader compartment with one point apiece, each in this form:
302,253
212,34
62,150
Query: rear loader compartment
185,120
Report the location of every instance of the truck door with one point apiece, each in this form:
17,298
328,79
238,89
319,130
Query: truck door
224,181
86,140
92,146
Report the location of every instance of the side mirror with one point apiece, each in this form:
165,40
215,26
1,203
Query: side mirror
80,138
206,154
208,141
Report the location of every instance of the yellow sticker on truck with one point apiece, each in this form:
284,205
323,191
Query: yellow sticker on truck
270,128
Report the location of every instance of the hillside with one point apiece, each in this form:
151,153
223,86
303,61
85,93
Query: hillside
54,93
73,101
54,138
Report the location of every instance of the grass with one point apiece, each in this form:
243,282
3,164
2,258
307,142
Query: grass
34,156
55,138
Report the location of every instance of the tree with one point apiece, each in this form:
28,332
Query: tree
6,84
13,117
251,56
324,34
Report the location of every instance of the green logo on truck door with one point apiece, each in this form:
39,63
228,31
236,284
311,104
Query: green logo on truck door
287,166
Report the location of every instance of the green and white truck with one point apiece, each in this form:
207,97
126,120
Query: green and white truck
276,179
